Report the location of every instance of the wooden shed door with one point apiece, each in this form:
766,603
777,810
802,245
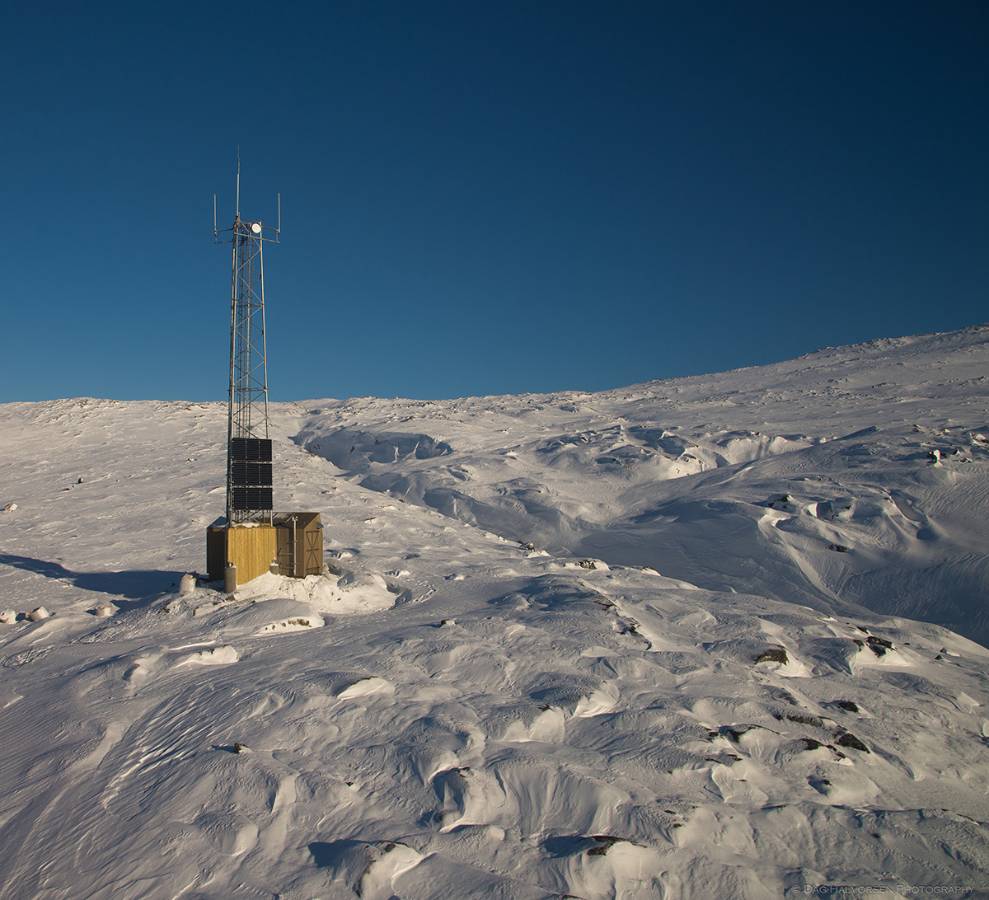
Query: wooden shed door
314,551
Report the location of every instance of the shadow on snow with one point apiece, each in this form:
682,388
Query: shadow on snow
135,584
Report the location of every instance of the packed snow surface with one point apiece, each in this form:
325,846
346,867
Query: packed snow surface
717,636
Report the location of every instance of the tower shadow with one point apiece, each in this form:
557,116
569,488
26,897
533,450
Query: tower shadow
135,585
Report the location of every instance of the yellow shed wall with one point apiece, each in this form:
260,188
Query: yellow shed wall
251,549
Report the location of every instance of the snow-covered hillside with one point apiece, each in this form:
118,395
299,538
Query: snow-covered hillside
806,481
637,643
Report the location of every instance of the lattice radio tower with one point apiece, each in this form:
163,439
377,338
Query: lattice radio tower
249,482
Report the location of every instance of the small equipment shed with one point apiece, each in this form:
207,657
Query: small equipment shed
300,543
294,540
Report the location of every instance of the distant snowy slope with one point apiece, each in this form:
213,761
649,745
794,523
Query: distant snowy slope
687,475
452,713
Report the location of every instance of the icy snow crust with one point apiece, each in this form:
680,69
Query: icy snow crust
494,691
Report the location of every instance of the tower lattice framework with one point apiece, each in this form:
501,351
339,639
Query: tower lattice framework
249,477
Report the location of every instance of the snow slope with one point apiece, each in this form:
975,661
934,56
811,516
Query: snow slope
682,475
455,713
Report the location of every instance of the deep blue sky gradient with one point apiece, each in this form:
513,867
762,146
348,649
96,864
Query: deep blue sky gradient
485,197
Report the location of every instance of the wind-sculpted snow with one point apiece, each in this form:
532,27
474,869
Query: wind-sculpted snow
811,480
355,451
492,691
593,733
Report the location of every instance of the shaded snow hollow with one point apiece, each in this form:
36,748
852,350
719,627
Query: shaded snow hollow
640,643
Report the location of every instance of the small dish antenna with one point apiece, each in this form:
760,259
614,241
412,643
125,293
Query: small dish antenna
256,227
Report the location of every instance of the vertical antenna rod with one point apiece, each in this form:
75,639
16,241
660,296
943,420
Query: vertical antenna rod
237,206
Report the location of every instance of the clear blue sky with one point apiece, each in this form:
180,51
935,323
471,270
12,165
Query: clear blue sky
485,197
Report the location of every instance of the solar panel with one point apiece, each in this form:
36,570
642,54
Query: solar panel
257,474
251,498
250,449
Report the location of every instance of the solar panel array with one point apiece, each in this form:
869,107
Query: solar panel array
250,473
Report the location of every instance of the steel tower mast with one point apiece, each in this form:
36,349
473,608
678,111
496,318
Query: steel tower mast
249,481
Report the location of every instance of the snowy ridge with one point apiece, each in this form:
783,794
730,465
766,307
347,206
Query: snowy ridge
495,692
